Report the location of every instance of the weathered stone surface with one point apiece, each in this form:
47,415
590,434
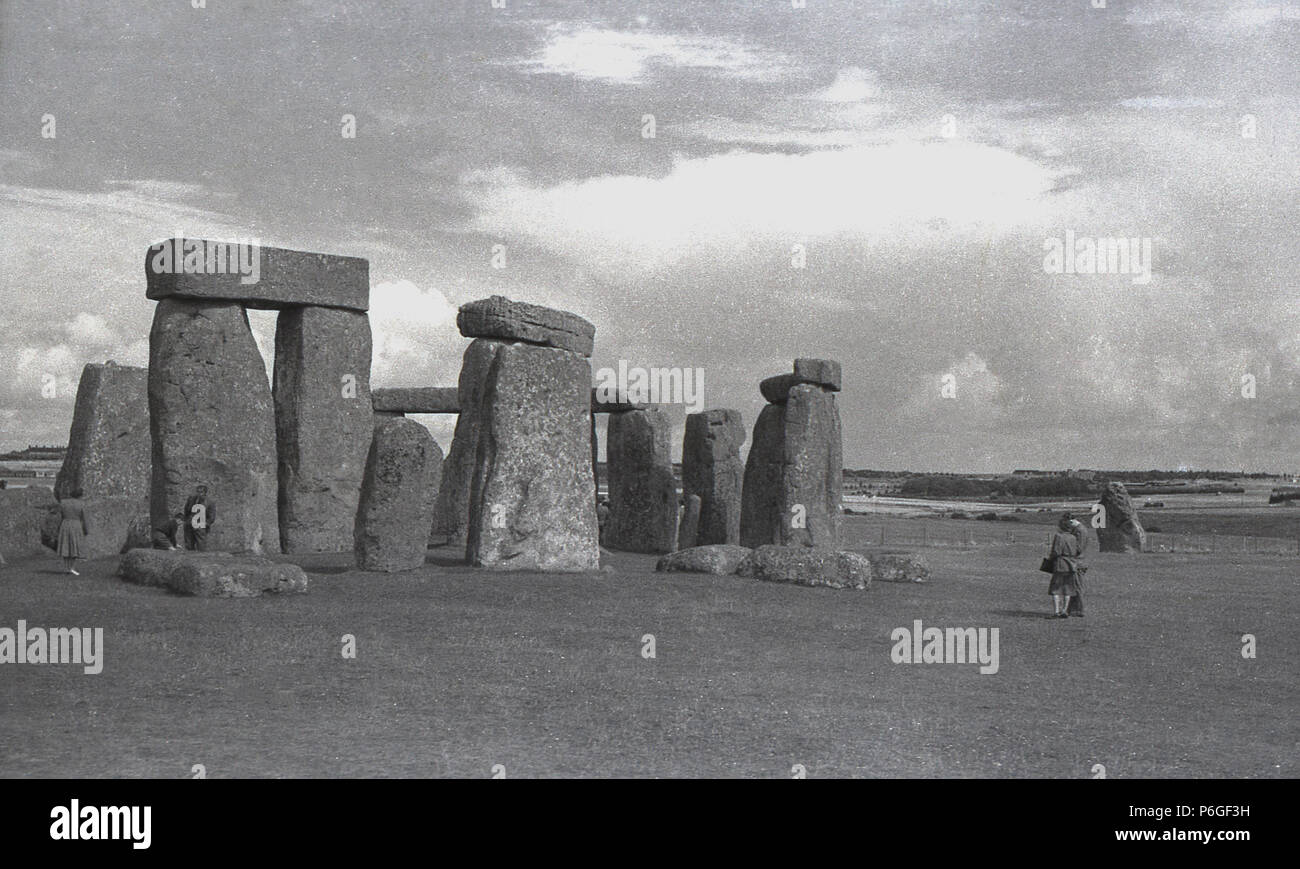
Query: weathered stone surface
285,277
617,402
890,565
499,317
323,423
531,505
23,513
416,399
804,565
451,516
211,574
813,469
110,520
712,469
717,558
688,528
108,444
821,372
1123,531
816,372
400,486
760,511
211,421
642,491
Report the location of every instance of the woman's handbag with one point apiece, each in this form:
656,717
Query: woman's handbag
1048,564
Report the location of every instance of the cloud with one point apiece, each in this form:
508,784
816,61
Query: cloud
629,57
415,336
713,206
852,85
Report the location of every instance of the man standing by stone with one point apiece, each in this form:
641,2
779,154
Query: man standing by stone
200,513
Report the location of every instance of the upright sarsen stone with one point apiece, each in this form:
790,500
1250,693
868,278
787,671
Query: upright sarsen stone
1123,531
324,424
760,509
403,467
108,445
530,502
451,516
813,469
643,504
712,469
211,421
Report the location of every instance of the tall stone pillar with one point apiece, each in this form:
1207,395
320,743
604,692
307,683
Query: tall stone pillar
712,469
643,503
324,422
211,421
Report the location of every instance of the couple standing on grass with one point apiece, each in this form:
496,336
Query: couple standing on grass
1069,542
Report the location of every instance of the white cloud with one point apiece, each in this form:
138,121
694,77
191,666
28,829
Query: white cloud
627,57
901,192
852,85
414,333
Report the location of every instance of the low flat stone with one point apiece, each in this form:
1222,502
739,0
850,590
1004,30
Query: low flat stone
285,278
813,566
618,403
211,574
415,399
898,566
720,559
499,317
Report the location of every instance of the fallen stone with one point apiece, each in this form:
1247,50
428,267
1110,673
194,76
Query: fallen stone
23,514
717,558
689,526
416,399
285,277
111,522
212,421
398,492
323,422
1123,531
451,516
897,566
712,469
803,565
108,445
643,500
499,317
211,574
531,505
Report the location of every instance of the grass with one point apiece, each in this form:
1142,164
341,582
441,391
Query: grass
458,670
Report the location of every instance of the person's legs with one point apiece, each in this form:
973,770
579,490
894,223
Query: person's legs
1058,604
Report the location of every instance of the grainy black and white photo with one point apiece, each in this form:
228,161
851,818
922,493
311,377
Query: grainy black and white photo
688,389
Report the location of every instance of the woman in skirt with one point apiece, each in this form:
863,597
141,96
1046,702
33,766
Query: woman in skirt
1067,569
72,529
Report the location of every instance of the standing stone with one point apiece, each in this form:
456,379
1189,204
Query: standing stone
1123,531
642,492
324,423
794,473
451,517
689,528
712,469
530,500
403,469
211,421
760,508
23,514
108,444
814,469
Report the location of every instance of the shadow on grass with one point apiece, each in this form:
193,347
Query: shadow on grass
1023,614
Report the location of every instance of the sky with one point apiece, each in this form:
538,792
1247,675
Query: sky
715,185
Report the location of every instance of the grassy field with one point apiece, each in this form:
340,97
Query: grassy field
458,670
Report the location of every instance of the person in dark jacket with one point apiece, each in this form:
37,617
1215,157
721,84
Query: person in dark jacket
72,529
1068,543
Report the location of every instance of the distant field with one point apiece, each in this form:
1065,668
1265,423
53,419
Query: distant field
458,670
